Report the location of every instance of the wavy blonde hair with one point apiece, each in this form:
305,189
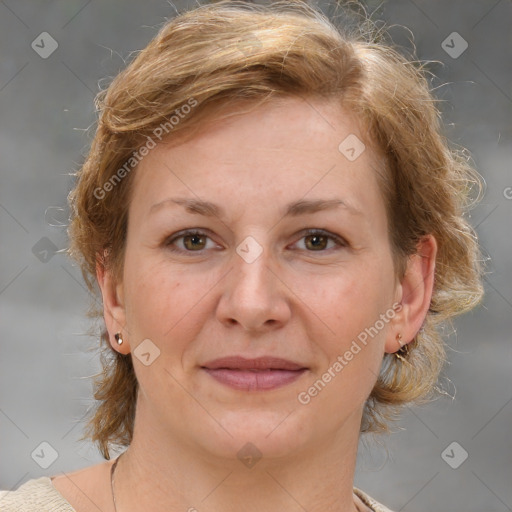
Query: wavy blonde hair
227,52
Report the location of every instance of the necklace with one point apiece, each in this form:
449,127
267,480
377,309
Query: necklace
112,469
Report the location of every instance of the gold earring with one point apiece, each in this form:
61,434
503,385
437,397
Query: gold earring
404,349
118,338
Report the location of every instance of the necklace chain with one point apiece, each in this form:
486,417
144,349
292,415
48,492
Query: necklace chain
112,470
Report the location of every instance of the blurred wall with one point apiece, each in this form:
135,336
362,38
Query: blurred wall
47,86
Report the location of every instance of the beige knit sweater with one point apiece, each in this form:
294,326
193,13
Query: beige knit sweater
39,495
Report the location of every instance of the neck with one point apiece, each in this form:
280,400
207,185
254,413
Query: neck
159,472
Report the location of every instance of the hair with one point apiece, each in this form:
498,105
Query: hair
216,55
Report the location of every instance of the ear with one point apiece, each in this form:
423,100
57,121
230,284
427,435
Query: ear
113,307
414,293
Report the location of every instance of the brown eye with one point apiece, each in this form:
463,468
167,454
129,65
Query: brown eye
194,242
189,241
316,242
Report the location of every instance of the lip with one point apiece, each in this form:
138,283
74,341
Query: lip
258,363
262,373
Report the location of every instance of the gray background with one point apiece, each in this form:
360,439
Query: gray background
46,107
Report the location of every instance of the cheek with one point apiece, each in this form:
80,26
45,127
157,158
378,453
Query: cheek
161,301
352,305
353,299
350,338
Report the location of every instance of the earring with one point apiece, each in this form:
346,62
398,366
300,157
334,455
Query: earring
118,338
404,349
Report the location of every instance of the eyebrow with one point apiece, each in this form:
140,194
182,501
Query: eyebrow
294,209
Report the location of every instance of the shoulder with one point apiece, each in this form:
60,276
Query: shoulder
374,505
36,495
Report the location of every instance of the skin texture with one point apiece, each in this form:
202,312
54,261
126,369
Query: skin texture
295,301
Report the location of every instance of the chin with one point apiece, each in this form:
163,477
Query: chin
257,434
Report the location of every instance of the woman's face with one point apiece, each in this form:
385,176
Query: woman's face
255,283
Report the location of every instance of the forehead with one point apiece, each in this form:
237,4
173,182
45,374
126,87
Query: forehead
276,152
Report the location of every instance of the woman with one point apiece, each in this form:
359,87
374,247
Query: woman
274,221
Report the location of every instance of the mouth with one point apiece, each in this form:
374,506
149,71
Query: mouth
263,373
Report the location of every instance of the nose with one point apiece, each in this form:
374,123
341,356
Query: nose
255,297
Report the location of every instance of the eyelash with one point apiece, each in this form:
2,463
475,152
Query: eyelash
308,232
